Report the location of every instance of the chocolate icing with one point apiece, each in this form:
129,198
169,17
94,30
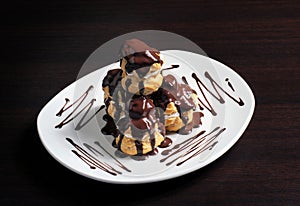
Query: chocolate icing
134,46
112,80
140,106
172,91
139,56
141,118
141,61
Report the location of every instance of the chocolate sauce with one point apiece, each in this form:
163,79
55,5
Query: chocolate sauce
139,56
140,107
217,96
141,62
193,144
87,161
73,115
184,79
180,95
141,87
81,124
121,137
80,100
166,143
197,119
139,147
91,161
169,68
140,117
110,126
180,146
58,114
152,140
114,158
187,129
114,143
198,148
229,84
112,79
92,149
153,152
143,114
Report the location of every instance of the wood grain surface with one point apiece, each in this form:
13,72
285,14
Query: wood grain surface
45,43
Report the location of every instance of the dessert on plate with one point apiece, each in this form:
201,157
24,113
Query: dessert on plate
143,105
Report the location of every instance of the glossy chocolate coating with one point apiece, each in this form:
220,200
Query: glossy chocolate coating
139,56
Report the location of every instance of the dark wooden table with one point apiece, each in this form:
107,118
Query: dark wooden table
44,45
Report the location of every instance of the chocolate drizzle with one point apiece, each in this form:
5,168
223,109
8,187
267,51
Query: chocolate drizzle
113,157
74,115
217,88
229,84
169,68
80,100
197,148
91,161
193,146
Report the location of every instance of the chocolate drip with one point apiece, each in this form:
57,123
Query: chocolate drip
153,152
153,141
181,92
187,128
197,119
141,87
184,79
139,147
112,79
110,127
166,143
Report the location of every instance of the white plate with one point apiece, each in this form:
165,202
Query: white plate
80,145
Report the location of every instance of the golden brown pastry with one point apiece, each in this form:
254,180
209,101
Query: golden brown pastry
142,104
